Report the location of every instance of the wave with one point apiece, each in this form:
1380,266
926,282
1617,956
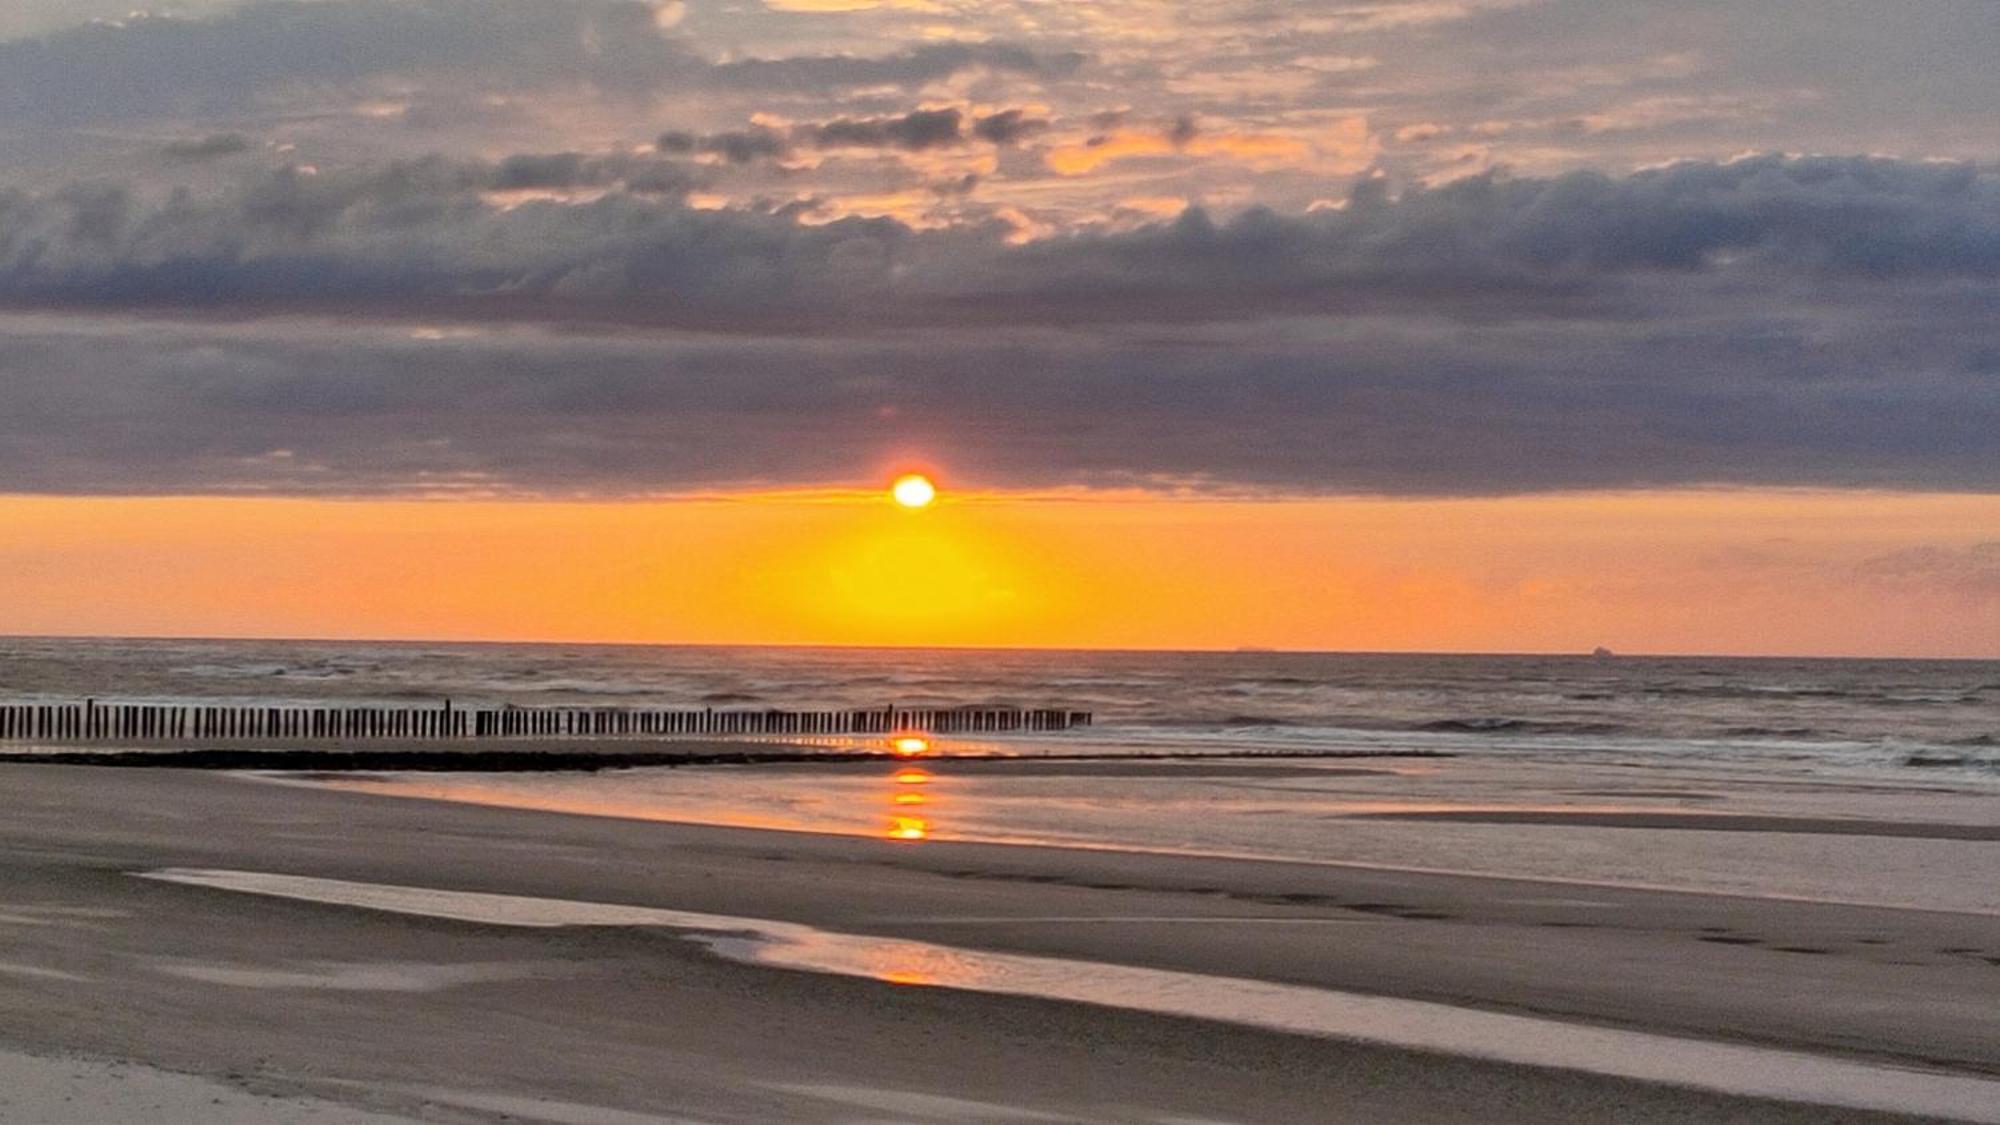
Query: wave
412,693
1519,726
1774,732
1951,761
1284,681
1756,691
1205,722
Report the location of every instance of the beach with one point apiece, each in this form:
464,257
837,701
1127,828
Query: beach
393,1011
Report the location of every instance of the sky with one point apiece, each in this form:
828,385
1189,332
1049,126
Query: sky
1521,325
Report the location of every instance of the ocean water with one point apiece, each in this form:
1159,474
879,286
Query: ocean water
1888,715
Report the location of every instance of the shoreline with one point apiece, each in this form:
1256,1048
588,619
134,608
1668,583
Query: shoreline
598,1005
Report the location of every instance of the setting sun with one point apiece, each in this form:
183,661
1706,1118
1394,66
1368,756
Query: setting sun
913,491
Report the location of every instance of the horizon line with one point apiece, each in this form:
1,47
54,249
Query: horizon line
1242,650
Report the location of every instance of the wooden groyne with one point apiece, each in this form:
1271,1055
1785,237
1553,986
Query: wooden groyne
91,721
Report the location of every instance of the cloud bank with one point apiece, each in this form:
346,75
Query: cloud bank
594,247
416,326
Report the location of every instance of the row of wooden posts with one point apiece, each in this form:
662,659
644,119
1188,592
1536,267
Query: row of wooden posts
91,721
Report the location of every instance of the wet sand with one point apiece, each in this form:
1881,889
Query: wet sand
441,1019
1700,822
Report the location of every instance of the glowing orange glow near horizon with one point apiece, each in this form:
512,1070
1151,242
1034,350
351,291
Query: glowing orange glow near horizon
1716,571
910,746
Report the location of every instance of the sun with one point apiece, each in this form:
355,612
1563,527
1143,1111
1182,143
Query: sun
913,491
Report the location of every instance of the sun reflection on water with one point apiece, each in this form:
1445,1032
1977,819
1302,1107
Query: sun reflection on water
907,793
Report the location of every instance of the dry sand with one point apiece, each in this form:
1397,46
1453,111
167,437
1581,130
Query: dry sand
58,1091
455,1021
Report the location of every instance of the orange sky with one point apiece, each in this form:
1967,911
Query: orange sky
1721,572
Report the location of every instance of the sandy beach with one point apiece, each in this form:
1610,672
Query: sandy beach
368,1011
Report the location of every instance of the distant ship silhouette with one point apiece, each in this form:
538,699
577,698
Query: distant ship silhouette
1602,653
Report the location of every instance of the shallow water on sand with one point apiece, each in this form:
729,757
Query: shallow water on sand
1698,829
1427,1026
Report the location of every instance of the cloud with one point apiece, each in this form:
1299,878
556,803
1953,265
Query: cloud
419,231
914,131
1008,126
1767,321
919,130
263,56
1238,248
1365,404
574,171
739,146
910,67
209,147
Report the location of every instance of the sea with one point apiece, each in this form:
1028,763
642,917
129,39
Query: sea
1700,773
1933,715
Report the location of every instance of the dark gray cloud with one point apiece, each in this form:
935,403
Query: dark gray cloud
1770,321
914,131
419,238
210,147
573,171
737,146
1009,126
1366,404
